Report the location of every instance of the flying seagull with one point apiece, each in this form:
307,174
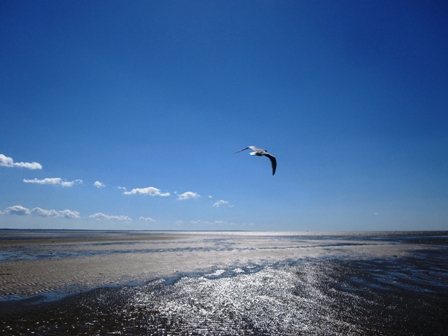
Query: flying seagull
262,152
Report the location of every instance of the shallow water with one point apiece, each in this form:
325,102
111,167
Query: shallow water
392,295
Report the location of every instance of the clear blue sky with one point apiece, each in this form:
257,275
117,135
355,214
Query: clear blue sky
128,114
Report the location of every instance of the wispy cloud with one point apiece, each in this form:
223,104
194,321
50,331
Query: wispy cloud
221,202
148,219
98,184
99,216
187,195
54,181
219,222
22,211
54,213
151,191
16,210
69,213
44,213
216,222
9,162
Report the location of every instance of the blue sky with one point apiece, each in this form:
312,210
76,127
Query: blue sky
127,115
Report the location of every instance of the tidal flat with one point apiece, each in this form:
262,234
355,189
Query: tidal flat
223,283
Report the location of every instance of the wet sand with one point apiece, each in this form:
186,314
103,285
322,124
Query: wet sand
240,283
74,262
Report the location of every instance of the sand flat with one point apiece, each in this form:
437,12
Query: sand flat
218,283
72,263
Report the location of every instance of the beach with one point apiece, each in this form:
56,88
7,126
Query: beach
224,283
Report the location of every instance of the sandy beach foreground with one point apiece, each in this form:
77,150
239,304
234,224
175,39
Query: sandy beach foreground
223,283
42,261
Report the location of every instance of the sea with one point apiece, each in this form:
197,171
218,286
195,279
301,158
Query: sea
324,293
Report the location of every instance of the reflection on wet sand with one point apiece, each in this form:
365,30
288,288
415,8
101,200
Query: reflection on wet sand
226,284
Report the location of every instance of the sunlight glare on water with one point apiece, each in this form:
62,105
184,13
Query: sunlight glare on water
274,301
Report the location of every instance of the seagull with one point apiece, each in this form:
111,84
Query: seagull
262,152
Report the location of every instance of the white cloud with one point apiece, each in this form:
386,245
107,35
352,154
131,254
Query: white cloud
99,216
187,195
45,213
216,222
9,162
98,184
54,213
219,222
22,211
151,191
16,210
54,181
148,219
69,213
220,202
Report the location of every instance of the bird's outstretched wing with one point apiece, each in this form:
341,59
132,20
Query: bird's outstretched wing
243,149
249,147
273,162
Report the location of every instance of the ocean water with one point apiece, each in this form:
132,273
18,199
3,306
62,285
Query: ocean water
317,294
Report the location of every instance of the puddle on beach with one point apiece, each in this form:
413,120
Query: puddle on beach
395,296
